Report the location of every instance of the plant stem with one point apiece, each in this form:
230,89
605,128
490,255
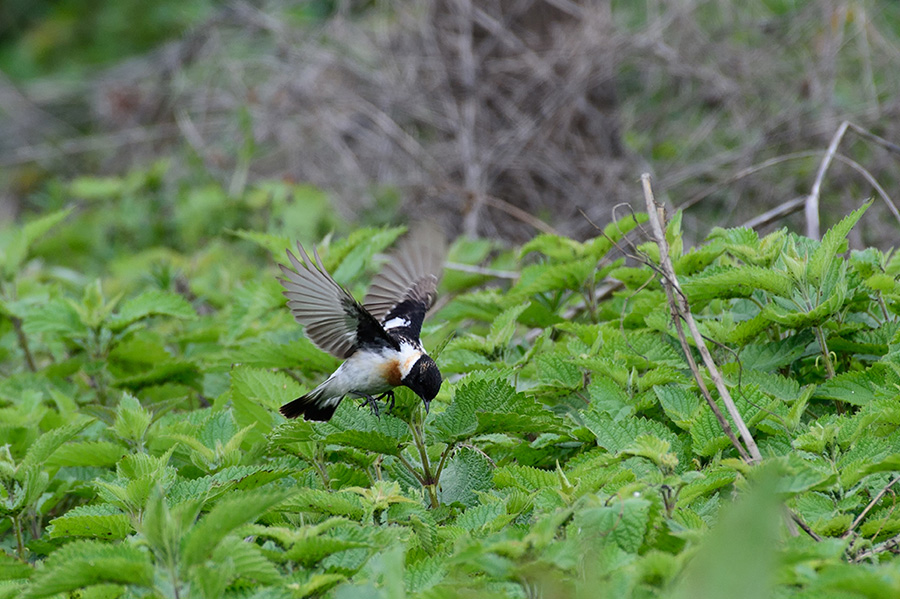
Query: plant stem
23,343
820,335
440,468
412,469
20,542
429,482
320,467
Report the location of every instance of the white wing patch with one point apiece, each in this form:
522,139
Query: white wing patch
396,322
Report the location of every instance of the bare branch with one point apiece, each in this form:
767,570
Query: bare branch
681,311
812,200
869,507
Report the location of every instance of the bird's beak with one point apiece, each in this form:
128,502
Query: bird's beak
427,405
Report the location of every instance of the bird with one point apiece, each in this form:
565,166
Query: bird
378,339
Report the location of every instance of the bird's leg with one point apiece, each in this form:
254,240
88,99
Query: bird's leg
390,396
369,401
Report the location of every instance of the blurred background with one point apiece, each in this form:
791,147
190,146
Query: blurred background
501,118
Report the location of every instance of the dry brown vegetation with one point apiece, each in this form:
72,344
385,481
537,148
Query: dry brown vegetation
499,115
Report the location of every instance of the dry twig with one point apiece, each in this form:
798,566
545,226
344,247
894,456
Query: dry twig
681,312
869,507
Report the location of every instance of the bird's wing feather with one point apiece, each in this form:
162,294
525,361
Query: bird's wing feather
334,321
406,287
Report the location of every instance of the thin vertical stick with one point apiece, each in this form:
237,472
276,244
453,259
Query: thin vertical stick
812,200
682,311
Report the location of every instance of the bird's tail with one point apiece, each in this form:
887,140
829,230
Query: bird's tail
318,404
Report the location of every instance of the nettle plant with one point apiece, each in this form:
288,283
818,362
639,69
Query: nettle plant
570,452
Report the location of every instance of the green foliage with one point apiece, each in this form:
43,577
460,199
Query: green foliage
569,452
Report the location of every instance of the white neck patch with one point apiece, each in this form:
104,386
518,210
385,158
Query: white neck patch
409,355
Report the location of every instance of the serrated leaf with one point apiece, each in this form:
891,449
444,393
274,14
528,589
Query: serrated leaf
526,478
361,246
57,317
152,303
741,281
624,523
707,437
481,516
132,420
311,550
100,522
822,258
358,428
465,473
557,370
229,513
776,354
12,568
424,574
84,563
504,326
276,244
49,442
617,435
487,403
682,406
335,504
858,388
17,245
247,561
256,396
737,560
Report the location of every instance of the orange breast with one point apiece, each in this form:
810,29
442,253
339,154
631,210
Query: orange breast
391,373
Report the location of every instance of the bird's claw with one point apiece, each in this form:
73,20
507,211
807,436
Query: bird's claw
390,396
370,401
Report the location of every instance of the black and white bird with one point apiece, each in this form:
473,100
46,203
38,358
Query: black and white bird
378,339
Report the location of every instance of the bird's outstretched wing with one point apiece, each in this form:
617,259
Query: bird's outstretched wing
334,321
406,287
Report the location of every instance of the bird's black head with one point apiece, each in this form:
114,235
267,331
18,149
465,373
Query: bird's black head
424,378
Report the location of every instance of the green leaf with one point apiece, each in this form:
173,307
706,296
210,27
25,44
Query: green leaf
256,396
354,427
525,478
623,523
228,514
857,388
553,246
358,250
247,561
152,303
101,522
487,403
833,243
132,420
741,281
49,442
276,244
504,326
775,354
466,473
311,550
616,436
323,502
556,369
15,247
682,406
737,560
707,437
84,563
58,317
12,568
